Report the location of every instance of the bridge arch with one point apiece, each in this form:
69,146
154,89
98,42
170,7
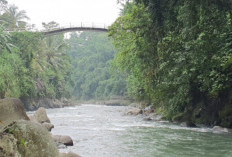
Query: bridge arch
70,28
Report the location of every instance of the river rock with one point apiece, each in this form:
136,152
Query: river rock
219,129
48,126
66,140
135,111
32,140
70,154
11,109
41,115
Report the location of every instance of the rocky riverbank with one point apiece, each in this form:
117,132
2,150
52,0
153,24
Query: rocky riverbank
34,104
28,136
149,114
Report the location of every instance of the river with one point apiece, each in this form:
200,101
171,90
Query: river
105,131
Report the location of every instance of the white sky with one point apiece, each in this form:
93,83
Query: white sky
69,11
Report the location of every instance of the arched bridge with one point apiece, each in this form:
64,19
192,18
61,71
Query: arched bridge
65,29
73,28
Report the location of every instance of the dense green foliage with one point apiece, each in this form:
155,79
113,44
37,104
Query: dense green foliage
177,54
92,53
36,66
31,65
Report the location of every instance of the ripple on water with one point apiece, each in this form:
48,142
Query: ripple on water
103,131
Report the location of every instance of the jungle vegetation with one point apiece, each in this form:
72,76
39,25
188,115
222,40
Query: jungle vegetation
174,54
33,65
93,75
177,55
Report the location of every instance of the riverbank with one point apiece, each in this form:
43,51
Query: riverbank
149,114
34,104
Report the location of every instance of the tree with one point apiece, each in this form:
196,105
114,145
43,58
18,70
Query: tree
4,40
136,56
14,18
59,67
34,66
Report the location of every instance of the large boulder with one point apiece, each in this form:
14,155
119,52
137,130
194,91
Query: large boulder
46,125
11,109
70,154
66,140
41,115
30,139
219,129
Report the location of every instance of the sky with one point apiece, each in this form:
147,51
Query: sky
69,12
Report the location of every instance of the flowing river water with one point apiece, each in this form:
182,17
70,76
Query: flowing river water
105,131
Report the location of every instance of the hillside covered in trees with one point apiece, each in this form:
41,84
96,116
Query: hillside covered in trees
173,54
178,56
36,66
31,65
93,75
